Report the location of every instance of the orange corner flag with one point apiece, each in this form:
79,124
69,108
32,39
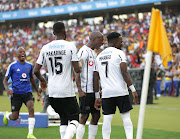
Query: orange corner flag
158,41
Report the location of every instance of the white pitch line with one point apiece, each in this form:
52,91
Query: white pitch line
157,107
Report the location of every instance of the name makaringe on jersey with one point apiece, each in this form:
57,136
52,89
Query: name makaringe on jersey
105,57
55,53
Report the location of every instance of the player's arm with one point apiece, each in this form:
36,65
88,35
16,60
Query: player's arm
77,69
40,77
127,79
5,82
78,83
76,66
32,80
97,103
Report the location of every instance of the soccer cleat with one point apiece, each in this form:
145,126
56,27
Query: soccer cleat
5,120
31,136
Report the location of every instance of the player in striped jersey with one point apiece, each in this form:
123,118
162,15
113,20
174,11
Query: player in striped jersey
84,81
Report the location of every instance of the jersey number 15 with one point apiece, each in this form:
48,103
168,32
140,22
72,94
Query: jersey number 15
56,65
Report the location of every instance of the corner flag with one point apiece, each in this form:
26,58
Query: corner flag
158,41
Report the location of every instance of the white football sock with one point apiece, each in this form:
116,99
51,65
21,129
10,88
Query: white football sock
128,127
80,131
62,130
106,128
71,129
31,124
7,115
92,131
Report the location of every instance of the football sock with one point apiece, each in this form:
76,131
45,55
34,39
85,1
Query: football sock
92,131
80,131
106,128
31,124
7,115
62,130
128,127
71,129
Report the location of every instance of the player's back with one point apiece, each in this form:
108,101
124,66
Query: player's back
58,56
108,66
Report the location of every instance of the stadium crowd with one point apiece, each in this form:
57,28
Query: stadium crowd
135,33
12,5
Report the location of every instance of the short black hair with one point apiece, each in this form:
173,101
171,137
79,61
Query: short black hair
58,27
113,35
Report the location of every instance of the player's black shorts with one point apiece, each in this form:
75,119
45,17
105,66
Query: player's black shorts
87,104
18,99
109,104
67,107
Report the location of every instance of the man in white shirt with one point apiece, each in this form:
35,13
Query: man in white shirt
60,56
84,81
111,67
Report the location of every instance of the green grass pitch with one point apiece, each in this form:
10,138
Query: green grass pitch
162,121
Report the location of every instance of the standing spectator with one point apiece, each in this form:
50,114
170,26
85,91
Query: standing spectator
84,80
21,74
159,76
168,82
178,86
60,56
112,70
1,82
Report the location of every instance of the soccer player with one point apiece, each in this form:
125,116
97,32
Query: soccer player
84,82
21,74
111,67
60,56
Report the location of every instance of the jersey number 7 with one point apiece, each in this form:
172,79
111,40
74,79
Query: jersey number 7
105,63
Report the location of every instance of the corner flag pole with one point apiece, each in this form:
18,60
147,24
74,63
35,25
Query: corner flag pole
144,93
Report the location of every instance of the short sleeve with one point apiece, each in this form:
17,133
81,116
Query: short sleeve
122,57
9,71
41,58
82,55
74,53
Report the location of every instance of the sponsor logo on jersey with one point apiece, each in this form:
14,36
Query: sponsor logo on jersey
24,75
18,69
90,63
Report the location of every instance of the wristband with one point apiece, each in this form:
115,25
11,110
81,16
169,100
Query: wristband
132,88
97,95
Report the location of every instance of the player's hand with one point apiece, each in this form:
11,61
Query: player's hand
81,63
98,104
135,98
39,94
82,94
10,93
43,85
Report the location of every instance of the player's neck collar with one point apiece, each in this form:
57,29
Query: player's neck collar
22,63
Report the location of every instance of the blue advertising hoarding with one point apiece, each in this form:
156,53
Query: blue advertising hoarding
73,8
22,121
